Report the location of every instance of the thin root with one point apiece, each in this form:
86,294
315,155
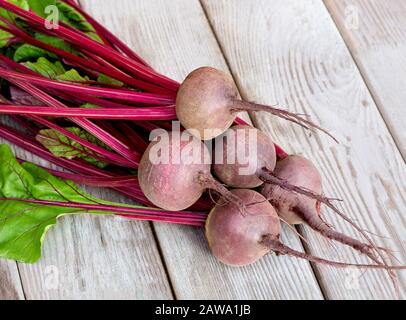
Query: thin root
294,230
279,248
269,177
284,114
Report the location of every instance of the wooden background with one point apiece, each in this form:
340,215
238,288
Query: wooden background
341,61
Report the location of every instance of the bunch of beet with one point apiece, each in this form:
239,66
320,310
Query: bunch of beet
245,223
215,161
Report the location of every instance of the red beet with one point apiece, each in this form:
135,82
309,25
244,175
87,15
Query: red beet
241,155
239,240
298,201
175,171
207,103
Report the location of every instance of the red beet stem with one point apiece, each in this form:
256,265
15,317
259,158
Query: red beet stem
124,95
86,63
147,213
155,113
79,40
89,126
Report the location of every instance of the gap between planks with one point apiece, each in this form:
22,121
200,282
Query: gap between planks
363,73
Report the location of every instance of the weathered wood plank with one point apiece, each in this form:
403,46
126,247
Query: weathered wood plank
97,258
88,257
375,32
175,37
10,284
291,52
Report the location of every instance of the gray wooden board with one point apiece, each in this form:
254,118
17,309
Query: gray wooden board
278,51
291,52
375,32
175,38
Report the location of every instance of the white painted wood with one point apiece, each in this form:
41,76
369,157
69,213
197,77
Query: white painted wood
290,52
97,258
10,284
375,32
175,37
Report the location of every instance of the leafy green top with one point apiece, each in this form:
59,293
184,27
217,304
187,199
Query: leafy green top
23,224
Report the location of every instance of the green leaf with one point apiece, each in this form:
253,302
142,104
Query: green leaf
4,38
108,80
46,68
64,147
55,42
28,52
73,18
23,225
4,35
73,76
90,106
39,6
10,16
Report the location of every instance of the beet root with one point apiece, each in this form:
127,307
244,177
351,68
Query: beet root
207,104
297,193
235,239
240,240
203,102
241,154
297,171
174,172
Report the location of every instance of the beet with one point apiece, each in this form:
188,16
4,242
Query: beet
174,172
235,239
207,104
240,240
240,156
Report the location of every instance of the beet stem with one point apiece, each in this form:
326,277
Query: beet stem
153,113
84,42
121,94
86,124
105,33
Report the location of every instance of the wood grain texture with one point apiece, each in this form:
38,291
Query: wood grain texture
98,258
90,257
375,32
175,37
10,284
290,52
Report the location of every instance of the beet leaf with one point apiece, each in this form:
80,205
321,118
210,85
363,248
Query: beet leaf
32,200
64,147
